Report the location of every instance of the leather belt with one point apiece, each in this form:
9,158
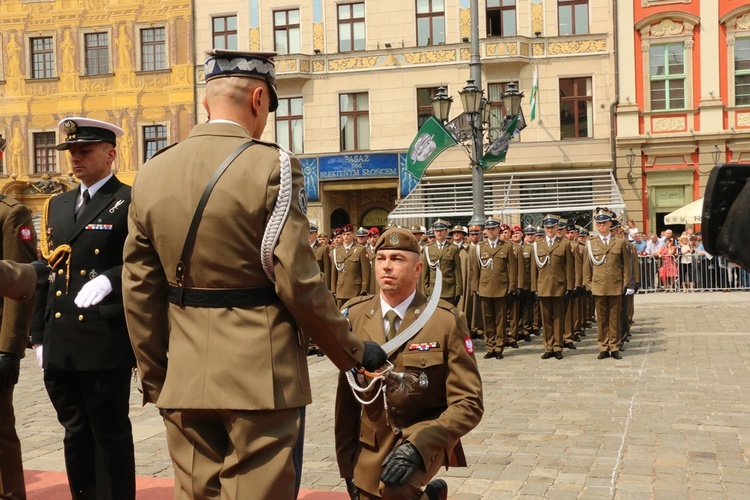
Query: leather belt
222,297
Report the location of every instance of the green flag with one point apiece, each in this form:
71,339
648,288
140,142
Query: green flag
431,140
499,147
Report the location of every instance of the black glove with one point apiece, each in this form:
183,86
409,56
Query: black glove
456,299
374,356
568,293
534,295
637,287
10,366
520,292
42,272
351,488
400,464
510,294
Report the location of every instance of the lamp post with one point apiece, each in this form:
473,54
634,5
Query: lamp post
479,113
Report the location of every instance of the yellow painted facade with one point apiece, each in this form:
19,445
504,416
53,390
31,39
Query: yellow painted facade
97,63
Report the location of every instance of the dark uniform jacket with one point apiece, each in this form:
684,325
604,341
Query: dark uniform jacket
19,244
432,418
95,338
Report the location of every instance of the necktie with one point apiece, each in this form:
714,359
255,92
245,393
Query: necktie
391,317
85,197
550,242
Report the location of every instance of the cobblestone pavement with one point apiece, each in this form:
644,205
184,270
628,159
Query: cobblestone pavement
670,420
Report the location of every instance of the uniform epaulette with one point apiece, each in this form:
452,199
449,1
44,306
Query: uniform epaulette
356,300
163,149
444,304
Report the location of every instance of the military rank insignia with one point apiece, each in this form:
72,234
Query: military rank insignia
424,346
99,227
423,380
302,200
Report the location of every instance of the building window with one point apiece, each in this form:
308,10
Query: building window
742,72
575,108
573,17
42,58
667,76
351,27
289,124
154,138
286,31
501,17
354,121
495,93
225,32
430,22
96,47
424,104
153,49
45,154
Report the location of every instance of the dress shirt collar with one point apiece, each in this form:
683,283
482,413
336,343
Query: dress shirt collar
94,187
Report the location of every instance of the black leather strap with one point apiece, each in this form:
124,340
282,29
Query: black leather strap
187,248
222,297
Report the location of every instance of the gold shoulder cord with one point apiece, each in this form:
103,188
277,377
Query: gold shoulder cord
55,257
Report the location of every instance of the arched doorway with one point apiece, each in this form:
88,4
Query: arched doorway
339,217
375,217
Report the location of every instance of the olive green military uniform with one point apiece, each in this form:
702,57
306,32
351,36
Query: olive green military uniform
350,273
19,245
448,257
445,404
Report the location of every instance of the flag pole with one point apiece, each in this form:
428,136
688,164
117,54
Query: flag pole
477,173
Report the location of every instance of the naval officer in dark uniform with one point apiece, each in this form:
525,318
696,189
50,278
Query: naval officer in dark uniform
79,320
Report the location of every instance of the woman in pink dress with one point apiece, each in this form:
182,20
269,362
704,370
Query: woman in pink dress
668,270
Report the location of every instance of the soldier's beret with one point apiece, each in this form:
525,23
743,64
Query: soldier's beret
361,232
550,220
516,228
322,235
504,227
337,231
79,130
221,63
373,232
440,224
348,228
397,239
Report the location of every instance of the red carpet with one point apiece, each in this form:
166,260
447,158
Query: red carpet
53,485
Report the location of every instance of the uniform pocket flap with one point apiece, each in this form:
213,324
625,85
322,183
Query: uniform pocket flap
423,359
367,435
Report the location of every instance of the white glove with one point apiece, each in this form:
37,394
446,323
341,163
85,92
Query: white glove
94,291
629,291
39,358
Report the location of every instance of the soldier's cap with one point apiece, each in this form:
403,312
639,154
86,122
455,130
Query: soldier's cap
458,229
602,214
615,223
516,229
572,227
491,222
79,130
539,231
336,231
441,224
322,235
222,63
347,228
373,232
475,229
430,233
529,230
397,239
361,232
562,223
550,220
416,230
504,227
583,232
313,228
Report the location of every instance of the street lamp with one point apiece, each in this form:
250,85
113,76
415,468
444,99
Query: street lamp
478,110
716,154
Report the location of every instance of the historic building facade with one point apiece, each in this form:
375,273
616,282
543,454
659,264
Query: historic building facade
355,82
683,76
130,64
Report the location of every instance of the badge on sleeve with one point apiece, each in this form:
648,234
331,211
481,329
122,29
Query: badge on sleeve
25,233
302,199
469,345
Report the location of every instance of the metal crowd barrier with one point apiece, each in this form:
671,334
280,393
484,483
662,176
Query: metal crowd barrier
697,272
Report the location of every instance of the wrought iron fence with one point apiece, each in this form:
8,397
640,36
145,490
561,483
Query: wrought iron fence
690,272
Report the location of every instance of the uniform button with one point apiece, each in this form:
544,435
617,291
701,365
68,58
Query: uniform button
96,252
60,271
355,349
23,297
58,293
57,315
83,272
80,317
423,362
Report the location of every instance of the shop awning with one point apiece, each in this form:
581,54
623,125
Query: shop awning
513,193
689,214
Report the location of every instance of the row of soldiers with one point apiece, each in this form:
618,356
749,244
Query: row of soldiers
511,283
